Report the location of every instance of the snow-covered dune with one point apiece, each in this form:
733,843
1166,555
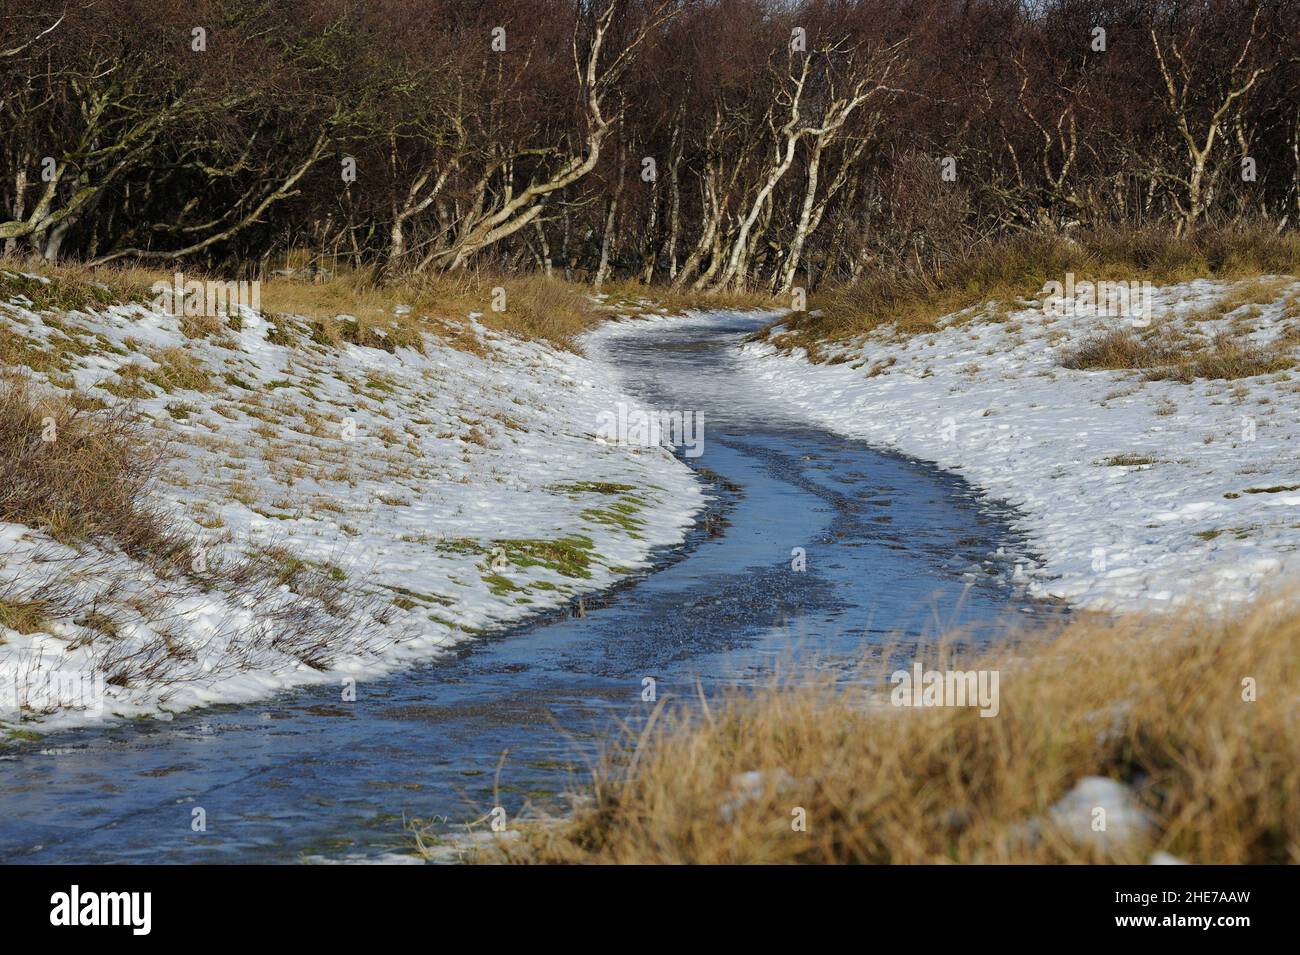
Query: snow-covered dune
444,492
1137,493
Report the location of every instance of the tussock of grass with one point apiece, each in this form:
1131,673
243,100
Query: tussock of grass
1167,358
79,475
1119,348
1016,270
1127,460
1257,291
178,371
1157,705
540,308
526,306
569,556
69,287
1226,359
25,616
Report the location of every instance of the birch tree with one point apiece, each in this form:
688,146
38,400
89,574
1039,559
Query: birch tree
1200,136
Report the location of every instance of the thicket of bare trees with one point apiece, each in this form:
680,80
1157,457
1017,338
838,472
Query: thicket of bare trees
710,144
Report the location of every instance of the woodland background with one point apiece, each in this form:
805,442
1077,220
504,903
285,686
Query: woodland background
772,167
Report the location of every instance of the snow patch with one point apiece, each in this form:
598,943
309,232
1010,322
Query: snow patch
1136,494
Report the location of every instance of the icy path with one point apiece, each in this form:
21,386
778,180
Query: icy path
891,549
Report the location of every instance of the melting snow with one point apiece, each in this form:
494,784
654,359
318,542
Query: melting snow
1208,516
431,485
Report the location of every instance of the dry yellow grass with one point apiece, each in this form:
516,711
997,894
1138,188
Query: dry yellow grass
527,306
70,286
1260,290
25,616
80,475
355,306
1176,358
1015,270
638,297
1159,705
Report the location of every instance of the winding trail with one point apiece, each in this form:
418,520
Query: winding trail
893,547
